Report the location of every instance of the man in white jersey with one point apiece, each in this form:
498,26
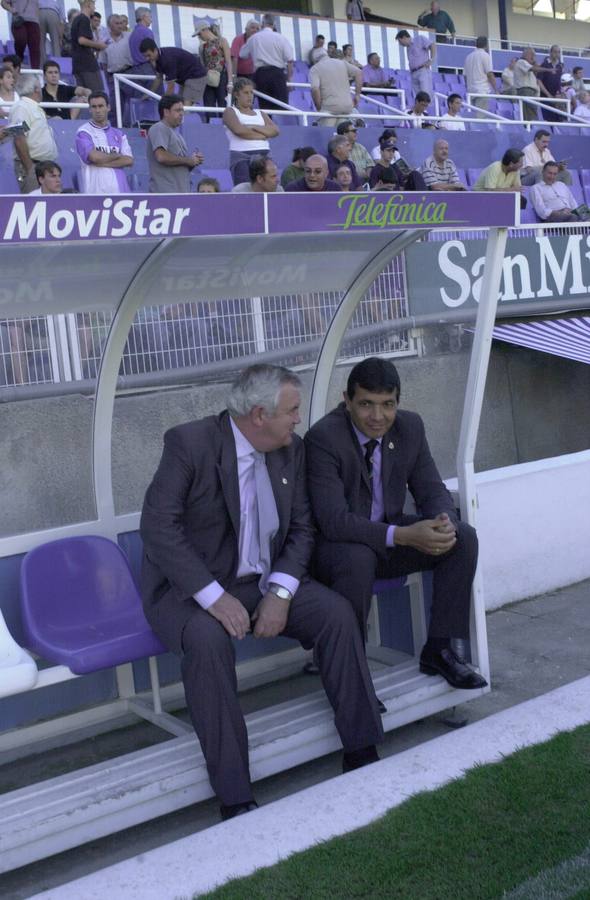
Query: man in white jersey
104,151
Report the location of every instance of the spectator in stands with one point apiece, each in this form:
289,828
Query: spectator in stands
177,67
440,22
503,175
421,53
388,134
264,178
125,18
169,161
333,51
526,82
330,88
361,458
104,151
479,75
66,38
13,62
582,110
51,22
440,172
359,154
419,110
117,60
567,91
243,67
196,601
216,58
38,143
141,32
392,172
315,176
356,10
84,63
508,77
7,91
318,44
25,30
348,56
248,130
208,186
295,169
451,121
536,154
271,54
551,79
99,31
343,177
578,83
374,74
552,200
48,174
339,155
55,92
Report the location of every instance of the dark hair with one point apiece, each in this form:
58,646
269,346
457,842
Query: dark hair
212,181
481,42
320,37
422,97
374,374
257,167
167,102
332,44
51,64
542,132
303,153
372,53
575,68
452,97
45,166
388,134
97,95
402,34
551,162
343,127
147,44
346,46
512,156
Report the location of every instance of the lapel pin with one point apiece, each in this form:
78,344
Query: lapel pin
391,445
284,480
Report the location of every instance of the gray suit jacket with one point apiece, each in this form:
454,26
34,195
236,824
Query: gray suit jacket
339,486
191,519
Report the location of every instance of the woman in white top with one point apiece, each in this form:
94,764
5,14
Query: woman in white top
247,129
7,91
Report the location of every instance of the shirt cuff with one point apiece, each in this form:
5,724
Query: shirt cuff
389,539
209,595
286,581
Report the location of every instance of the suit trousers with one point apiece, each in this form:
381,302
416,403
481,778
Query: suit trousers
351,569
319,619
272,81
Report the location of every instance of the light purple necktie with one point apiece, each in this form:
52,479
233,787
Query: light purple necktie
268,520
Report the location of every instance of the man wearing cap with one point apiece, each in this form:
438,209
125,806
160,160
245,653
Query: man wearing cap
536,154
243,67
271,53
330,87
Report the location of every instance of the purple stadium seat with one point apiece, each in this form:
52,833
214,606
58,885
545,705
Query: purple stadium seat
80,606
223,176
473,175
585,177
576,186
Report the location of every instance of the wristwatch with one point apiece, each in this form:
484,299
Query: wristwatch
280,591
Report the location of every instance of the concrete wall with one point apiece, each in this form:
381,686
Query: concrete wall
535,406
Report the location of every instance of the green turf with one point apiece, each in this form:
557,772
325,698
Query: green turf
477,838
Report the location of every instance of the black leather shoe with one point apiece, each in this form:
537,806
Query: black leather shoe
310,668
238,809
452,667
356,759
381,707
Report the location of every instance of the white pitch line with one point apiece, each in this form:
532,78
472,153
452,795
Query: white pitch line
196,864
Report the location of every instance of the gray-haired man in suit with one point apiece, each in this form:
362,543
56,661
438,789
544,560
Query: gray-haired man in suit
361,459
228,537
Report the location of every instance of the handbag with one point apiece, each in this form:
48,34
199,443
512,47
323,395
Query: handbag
213,77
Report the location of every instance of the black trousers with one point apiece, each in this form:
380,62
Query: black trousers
351,569
272,81
318,618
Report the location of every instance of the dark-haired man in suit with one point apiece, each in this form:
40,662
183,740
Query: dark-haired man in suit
361,458
228,537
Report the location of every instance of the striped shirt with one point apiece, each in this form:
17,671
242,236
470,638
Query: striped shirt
435,173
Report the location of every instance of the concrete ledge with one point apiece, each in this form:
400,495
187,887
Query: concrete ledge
196,864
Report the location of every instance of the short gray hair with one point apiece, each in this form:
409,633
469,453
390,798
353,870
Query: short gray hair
259,385
337,141
268,20
142,11
27,85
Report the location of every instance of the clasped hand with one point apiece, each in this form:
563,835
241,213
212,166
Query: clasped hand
270,616
433,536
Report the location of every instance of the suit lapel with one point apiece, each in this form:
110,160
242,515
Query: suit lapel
278,471
389,449
359,452
227,469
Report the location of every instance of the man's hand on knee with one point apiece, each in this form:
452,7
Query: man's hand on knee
270,616
233,616
433,536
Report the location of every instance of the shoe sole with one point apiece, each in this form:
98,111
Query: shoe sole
427,669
